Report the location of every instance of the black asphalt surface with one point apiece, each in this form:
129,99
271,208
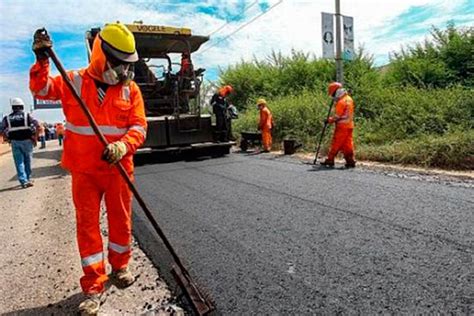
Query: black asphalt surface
270,235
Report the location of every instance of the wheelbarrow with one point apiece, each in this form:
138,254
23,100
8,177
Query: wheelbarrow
250,139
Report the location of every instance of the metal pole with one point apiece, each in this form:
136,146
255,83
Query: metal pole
339,70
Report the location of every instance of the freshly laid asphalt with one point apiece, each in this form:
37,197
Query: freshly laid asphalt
270,235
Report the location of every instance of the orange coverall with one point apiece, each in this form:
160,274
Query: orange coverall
60,129
266,125
120,116
342,139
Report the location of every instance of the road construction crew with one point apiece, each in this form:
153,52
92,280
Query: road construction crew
116,103
19,128
344,120
220,106
265,125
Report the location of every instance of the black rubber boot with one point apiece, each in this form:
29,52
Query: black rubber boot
328,163
350,164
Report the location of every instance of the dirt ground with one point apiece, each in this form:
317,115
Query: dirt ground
40,262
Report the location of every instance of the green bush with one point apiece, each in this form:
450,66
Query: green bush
445,60
411,111
298,116
412,121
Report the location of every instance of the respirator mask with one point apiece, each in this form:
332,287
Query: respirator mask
114,75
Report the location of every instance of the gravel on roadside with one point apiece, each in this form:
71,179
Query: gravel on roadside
40,262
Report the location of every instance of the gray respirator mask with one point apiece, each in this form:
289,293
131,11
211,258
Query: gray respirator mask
118,74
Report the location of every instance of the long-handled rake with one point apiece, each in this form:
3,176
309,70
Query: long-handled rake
199,302
323,132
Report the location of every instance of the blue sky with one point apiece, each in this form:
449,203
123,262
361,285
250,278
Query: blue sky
380,26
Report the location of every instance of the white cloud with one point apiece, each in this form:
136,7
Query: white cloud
13,85
292,24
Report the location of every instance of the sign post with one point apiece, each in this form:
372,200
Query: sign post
327,29
339,70
329,37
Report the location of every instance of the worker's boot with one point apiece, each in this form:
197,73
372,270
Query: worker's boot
350,164
123,278
91,305
328,163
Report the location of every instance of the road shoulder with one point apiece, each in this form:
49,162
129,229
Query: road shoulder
40,261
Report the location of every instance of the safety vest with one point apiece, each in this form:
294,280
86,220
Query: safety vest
112,111
345,112
60,129
119,113
266,119
18,127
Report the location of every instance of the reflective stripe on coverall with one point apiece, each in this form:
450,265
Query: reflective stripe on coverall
342,139
265,124
120,116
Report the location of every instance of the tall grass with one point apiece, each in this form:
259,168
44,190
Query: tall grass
419,109
426,127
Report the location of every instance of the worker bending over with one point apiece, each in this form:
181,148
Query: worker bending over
116,103
265,124
344,120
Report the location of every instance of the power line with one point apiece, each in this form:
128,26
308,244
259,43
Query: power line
227,23
242,26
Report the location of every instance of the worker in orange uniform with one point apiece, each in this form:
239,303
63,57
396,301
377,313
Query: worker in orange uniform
60,132
344,120
265,124
116,103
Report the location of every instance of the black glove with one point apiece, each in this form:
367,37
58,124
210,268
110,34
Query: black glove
41,43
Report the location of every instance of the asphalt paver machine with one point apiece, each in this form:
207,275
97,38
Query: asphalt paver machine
171,94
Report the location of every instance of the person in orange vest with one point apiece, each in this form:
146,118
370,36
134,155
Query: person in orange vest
41,132
60,132
116,103
344,120
265,124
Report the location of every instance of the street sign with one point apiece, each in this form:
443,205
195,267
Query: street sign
329,37
348,26
327,32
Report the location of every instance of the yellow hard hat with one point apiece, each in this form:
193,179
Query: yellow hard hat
261,101
119,42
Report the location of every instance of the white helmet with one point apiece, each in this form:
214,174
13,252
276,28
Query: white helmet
15,102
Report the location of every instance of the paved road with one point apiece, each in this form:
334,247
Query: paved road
270,235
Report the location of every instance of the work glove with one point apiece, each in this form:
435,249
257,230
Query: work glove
114,152
41,43
330,120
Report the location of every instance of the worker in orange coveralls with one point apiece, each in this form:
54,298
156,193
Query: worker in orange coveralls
344,120
116,103
265,124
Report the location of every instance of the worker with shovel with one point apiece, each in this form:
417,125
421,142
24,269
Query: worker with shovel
344,120
116,103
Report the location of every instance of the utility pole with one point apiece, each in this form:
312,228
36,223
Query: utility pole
339,71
